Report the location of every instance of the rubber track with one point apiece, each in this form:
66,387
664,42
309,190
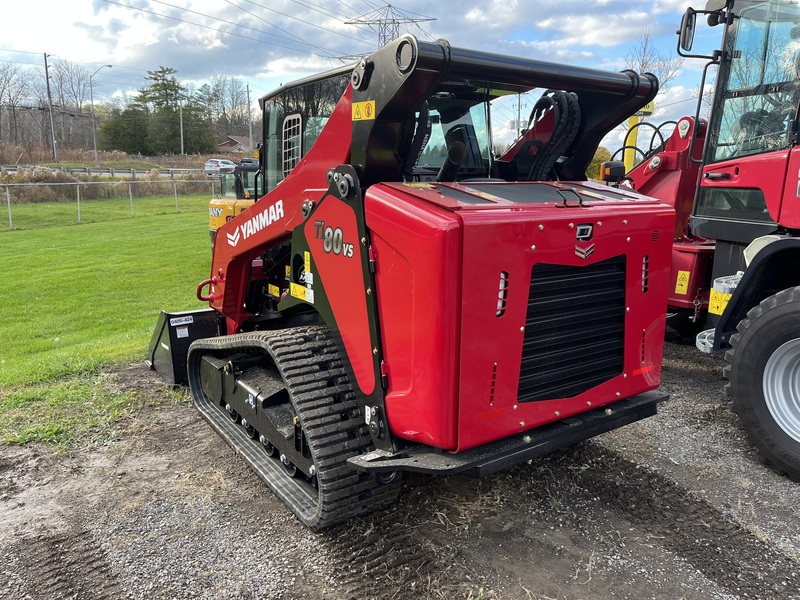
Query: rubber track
324,401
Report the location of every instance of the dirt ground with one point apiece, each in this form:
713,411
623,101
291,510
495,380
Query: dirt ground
677,506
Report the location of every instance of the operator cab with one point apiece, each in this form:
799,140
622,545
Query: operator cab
458,114
450,137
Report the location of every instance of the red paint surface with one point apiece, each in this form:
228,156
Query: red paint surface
437,274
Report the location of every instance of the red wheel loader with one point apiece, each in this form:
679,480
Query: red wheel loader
401,299
735,183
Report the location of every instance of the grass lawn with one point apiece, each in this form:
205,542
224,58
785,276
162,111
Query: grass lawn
80,297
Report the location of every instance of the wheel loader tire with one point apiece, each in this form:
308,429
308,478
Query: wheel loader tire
763,373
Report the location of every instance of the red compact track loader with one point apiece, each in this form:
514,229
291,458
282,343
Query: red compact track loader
400,299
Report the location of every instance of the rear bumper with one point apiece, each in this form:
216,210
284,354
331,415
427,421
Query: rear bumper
502,454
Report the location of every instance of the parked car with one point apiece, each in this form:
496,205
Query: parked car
218,166
248,162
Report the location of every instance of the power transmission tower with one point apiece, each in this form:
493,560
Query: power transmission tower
387,21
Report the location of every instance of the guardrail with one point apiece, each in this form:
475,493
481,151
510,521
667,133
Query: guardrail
108,171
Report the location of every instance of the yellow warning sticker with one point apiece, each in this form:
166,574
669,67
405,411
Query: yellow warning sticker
307,261
288,271
274,290
484,195
717,302
298,291
682,283
364,111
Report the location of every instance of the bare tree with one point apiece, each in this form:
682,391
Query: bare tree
225,103
71,88
645,58
5,81
17,84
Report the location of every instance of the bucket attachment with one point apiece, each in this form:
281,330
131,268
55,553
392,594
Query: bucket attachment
172,336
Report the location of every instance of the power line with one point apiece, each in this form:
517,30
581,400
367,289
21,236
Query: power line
302,21
330,53
388,21
319,9
20,51
207,16
19,62
150,12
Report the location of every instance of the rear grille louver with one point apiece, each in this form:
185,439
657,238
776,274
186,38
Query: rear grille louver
574,329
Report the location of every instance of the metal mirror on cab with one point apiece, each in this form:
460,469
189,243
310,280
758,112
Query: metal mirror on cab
686,33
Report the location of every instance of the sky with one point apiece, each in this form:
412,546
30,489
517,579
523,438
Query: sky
270,42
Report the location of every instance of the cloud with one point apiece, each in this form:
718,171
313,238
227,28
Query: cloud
674,6
282,39
593,30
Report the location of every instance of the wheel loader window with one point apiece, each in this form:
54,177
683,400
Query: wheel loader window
758,103
734,204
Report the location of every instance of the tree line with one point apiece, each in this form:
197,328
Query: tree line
149,121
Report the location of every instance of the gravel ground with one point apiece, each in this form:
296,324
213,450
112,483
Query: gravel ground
676,506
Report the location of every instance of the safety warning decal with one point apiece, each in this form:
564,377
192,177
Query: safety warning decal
682,283
717,302
364,111
298,291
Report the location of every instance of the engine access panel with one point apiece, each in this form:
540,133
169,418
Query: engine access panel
506,306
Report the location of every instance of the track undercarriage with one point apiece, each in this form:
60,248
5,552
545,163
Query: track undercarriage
283,401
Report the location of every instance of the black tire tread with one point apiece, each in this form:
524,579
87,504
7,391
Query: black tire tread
781,461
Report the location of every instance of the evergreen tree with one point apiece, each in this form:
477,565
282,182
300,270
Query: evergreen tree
125,130
163,92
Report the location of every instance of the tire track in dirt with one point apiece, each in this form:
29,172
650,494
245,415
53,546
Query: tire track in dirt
69,564
381,556
711,541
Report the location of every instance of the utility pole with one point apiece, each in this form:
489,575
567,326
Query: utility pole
180,112
94,123
50,108
250,119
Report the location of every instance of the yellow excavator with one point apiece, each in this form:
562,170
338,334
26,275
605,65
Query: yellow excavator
238,191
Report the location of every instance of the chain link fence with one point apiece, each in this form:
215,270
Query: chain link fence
36,205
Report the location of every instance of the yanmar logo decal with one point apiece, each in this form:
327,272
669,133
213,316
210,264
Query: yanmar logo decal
584,253
256,223
233,239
